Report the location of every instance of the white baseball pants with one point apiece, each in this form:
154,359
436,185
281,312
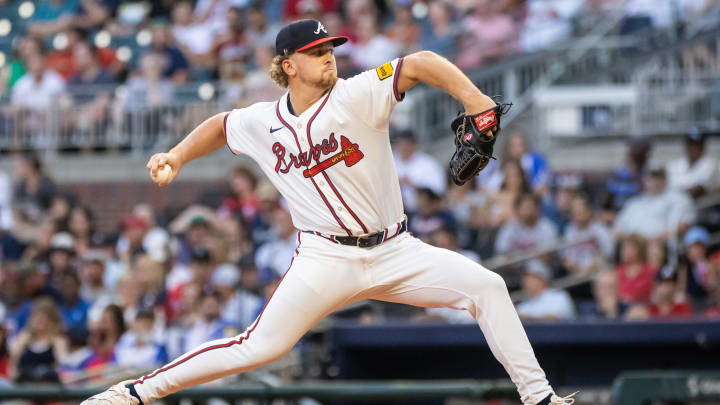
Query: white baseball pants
324,276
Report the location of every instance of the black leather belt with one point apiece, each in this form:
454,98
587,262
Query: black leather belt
365,241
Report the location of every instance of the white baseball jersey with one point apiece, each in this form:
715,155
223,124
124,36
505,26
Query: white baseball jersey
327,161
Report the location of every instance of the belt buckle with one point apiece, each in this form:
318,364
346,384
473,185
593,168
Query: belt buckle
359,237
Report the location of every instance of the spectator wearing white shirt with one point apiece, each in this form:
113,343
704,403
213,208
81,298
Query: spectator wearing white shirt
543,304
39,88
658,212
529,231
239,307
696,172
596,243
416,169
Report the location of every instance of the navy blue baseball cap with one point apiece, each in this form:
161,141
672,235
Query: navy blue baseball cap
304,34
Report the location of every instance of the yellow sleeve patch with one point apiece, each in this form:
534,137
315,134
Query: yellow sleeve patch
384,71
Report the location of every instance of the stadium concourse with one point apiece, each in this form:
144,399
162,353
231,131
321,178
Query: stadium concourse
613,219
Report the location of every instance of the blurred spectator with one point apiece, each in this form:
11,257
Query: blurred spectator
61,60
664,304
430,215
52,16
61,255
201,269
543,303
273,257
488,34
658,212
39,87
92,14
194,227
557,205
372,47
697,172
697,276
513,184
446,238
38,349
594,241
73,309
156,239
415,169
91,273
103,337
195,40
260,31
173,64
239,306
230,48
627,182
257,84
606,303
130,243
34,190
635,276
89,71
82,225
242,199
547,22
208,325
527,233
4,357
442,34
16,67
149,89
137,347
404,30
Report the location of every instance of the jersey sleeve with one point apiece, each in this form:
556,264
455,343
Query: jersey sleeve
237,133
373,94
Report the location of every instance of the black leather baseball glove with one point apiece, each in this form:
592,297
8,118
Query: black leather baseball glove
474,146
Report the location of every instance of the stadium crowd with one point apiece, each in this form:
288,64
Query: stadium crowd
75,301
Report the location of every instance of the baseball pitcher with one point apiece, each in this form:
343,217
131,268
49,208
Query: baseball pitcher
325,147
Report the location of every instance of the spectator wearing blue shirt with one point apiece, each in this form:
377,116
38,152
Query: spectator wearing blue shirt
73,309
626,182
138,347
543,303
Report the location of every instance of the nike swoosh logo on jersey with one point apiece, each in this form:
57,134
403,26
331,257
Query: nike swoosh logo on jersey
276,129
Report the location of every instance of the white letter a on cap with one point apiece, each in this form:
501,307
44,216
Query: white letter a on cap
320,28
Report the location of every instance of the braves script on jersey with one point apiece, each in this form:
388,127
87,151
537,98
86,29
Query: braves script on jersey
334,167
327,162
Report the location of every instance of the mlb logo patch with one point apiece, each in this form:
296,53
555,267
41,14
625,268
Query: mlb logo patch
384,71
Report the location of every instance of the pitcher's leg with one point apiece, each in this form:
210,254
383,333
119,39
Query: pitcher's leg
422,275
310,289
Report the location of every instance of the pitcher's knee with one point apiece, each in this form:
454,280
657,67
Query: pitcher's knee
494,283
268,350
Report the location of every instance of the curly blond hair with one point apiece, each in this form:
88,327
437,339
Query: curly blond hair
276,70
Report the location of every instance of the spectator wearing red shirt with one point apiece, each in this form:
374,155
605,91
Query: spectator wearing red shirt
242,199
664,304
635,275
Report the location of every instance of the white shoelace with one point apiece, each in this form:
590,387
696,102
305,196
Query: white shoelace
568,400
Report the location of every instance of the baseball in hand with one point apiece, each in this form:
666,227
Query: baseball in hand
163,174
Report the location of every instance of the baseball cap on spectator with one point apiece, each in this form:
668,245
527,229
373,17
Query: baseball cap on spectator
200,255
225,275
538,268
199,221
695,135
63,241
429,193
404,135
302,35
697,234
